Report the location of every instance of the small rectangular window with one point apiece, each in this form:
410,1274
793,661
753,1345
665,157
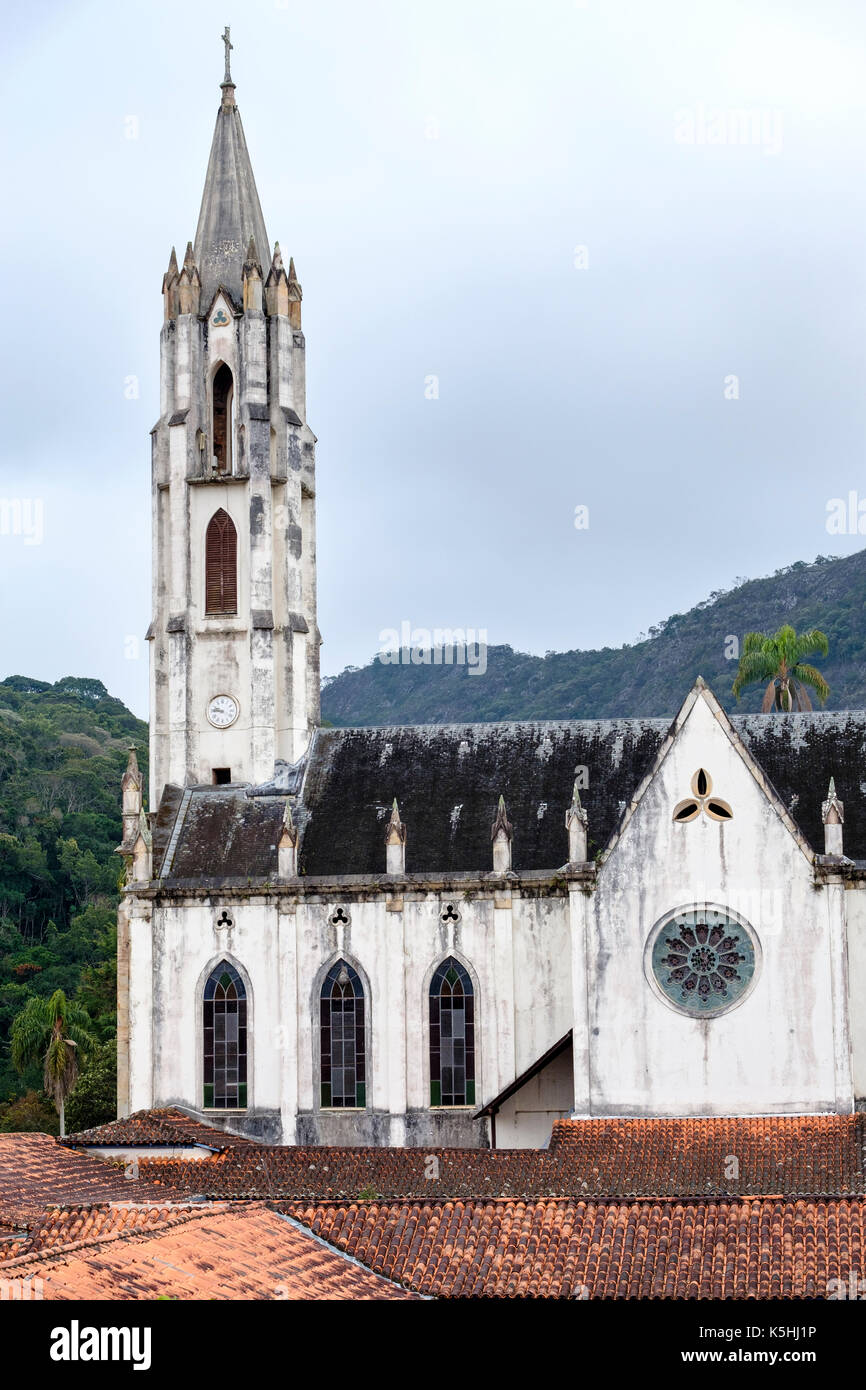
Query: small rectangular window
221,775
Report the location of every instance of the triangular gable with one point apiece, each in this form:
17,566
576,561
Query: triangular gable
231,308
700,690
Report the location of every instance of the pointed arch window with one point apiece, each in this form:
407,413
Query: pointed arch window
221,564
224,1016
452,1036
343,1043
223,418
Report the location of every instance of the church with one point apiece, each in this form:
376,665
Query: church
443,935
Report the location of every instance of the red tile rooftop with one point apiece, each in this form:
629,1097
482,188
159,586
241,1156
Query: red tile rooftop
36,1171
240,1254
60,1227
755,1248
794,1156
165,1128
617,1208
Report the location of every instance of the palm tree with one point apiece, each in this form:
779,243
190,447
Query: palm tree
57,1033
779,660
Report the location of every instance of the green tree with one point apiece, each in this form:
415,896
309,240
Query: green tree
779,660
85,687
94,1098
57,1033
86,875
28,1114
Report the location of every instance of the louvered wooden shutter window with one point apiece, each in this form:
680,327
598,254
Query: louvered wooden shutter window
221,565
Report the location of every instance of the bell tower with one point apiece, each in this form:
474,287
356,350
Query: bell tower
234,646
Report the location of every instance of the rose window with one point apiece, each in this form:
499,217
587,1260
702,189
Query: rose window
703,960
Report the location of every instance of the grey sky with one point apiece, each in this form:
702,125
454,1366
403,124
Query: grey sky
432,168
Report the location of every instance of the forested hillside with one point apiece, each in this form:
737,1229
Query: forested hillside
648,678
63,749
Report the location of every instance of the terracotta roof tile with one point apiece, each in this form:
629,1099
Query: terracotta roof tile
791,1154
242,1253
36,1172
817,1155
164,1128
753,1248
61,1228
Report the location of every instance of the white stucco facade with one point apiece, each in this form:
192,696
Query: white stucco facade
546,954
785,1047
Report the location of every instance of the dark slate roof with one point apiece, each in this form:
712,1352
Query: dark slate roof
448,778
163,823
800,753
223,833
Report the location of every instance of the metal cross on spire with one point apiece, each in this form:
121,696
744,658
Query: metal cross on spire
229,46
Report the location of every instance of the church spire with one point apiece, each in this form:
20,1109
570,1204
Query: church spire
232,373
230,209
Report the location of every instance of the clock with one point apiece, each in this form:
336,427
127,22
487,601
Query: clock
222,711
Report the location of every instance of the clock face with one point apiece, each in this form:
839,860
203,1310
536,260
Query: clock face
222,711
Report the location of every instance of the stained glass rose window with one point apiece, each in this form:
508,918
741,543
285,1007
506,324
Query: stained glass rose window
703,960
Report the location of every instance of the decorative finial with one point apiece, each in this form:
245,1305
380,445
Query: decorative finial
501,825
501,836
576,821
289,828
832,809
287,849
833,816
227,80
395,843
396,833
132,776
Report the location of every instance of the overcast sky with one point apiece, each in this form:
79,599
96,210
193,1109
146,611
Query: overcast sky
554,209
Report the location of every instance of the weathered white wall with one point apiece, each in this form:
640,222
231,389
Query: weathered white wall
397,952
775,1051
141,1007
517,957
263,657
526,1118
855,911
186,946
220,649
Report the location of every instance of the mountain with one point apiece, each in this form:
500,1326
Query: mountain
648,678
